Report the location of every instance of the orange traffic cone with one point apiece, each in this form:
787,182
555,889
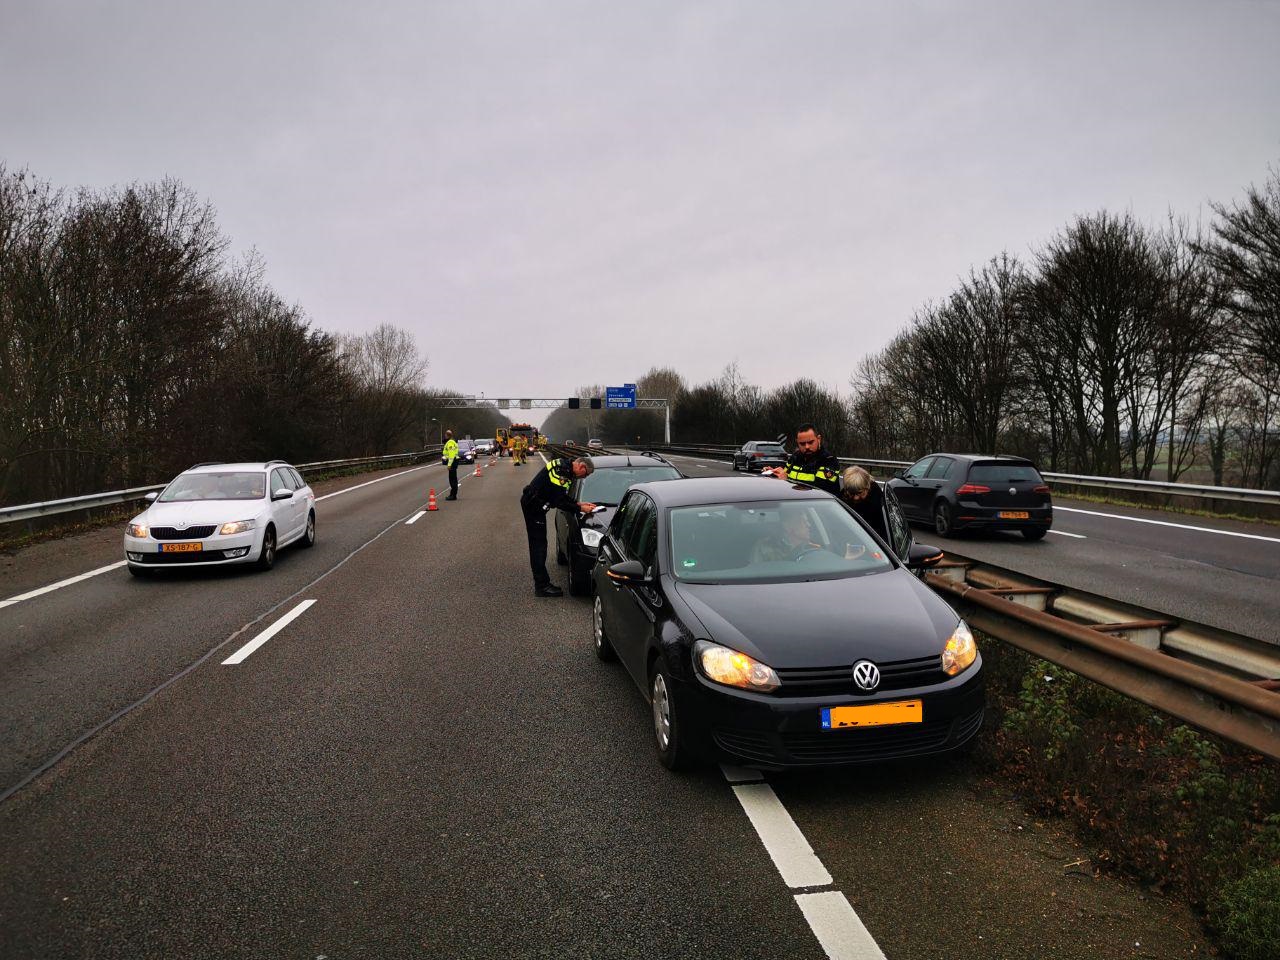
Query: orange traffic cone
431,500
479,469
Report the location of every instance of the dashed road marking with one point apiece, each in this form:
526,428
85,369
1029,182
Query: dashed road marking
1063,533
838,927
415,518
791,853
62,583
243,653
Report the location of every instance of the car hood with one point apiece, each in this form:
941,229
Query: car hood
599,521
823,623
200,512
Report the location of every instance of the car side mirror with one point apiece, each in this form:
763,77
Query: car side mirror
282,495
628,571
922,555
151,497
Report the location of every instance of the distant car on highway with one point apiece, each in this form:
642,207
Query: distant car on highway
764,622
578,537
486,446
959,491
217,514
757,455
467,451
595,444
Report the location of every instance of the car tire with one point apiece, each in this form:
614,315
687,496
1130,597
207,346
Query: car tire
309,535
267,555
673,732
1034,533
604,649
942,523
560,555
735,464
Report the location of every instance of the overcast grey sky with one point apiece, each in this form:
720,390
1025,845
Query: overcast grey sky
550,194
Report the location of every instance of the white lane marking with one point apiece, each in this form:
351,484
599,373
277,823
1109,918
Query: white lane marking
740,774
61,583
415,518
338,493
242,654
837,927
791,853
1063,533
1167,523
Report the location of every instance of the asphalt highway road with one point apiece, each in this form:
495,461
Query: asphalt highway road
1220,572
427,761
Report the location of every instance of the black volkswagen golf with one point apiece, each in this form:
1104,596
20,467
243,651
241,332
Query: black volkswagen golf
766,623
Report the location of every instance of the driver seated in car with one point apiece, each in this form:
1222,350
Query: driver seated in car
794,542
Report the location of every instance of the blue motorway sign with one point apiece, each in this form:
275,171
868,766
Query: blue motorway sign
620,398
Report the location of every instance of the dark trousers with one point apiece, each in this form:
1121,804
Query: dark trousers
453,479
535,525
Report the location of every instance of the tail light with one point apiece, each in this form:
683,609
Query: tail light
973,488
1040,488
756,456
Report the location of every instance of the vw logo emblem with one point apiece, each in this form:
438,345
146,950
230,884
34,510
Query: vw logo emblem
866,675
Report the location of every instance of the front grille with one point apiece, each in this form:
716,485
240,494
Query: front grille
164,559
847,746
826,681
191,533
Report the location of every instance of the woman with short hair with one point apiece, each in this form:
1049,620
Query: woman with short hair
863,494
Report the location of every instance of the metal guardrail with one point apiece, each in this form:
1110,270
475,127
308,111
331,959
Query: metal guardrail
1198,491
32,511
1217,681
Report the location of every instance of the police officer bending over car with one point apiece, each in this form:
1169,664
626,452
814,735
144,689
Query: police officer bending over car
550,488
811,464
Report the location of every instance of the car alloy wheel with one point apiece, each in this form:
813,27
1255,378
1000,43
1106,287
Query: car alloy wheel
942,520
604,649
661,713
309,538
267,558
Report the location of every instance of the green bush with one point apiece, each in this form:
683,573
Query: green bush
1246,914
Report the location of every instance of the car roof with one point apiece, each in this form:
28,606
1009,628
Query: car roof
701,490
628,460
1004,458
224,467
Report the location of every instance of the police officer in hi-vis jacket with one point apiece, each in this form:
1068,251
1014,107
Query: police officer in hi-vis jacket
550,488
811,464
450,455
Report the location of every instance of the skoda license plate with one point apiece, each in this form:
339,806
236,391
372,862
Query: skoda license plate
181,547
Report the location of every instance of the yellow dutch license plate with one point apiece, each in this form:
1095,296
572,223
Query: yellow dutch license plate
181,547
1014,515
873,715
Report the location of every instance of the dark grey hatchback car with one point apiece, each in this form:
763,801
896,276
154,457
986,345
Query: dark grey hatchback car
958,491
766,623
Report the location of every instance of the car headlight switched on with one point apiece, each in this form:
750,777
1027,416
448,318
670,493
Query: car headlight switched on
592,538
138,530
236,526
732,668
960,651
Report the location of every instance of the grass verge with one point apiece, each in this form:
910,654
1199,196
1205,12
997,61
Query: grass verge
1183,812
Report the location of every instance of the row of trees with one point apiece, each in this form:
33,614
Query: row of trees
131,346
1116,349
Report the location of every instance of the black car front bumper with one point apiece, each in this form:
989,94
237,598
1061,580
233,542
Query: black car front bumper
760,730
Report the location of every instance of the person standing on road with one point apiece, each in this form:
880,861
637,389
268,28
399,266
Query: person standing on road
450,454
550,488
863,494
811,464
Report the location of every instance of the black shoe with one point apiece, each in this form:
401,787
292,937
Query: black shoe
550,590
451,497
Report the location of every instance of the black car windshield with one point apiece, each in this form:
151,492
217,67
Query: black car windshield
771,542
1003,473
216,486
608,484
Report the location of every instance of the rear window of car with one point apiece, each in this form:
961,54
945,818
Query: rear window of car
1004,473
770,448
608,484
235,485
